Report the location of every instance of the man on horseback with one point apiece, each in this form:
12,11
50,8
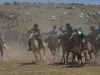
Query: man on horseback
83,40
52,32
69,30
52,35
36,30
94,31
2,40
82,35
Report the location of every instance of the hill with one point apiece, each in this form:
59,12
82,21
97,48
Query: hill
42,13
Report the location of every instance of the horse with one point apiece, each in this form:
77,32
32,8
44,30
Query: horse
94,40
65,45
52,44
77,48
36,48
80,47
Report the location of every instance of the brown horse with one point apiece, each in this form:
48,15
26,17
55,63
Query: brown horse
79,47
52,44
94,44
36,49
66,46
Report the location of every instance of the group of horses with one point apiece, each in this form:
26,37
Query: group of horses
73,45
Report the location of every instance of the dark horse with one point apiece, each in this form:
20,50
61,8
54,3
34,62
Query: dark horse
80,47
66,45
52,44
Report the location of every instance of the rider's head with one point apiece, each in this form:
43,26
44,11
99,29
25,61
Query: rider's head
54,27
67,25
75,30
70,28
92,28
35,25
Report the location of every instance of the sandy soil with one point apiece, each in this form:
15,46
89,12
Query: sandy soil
24,64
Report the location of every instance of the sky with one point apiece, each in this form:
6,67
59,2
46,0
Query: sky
94,2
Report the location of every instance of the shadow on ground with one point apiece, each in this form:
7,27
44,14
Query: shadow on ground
29,63
69,65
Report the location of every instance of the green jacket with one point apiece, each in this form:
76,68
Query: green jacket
82,34
36,31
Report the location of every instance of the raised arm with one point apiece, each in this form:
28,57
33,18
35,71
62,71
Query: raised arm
47,33
61,29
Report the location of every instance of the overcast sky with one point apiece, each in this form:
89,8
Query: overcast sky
97,2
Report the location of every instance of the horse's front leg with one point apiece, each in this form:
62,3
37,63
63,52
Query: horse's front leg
44,54
2,53
67,56
39,52
63,57
73,58
36,57
58,51
51,51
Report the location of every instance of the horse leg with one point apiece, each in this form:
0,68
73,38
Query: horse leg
6,52
94,51
58,51
63,57
39,54
36,57
73,58
85,57
2,53
80,57
44,54
67,57
51,51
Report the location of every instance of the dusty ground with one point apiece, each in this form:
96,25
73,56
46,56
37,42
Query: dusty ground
24,64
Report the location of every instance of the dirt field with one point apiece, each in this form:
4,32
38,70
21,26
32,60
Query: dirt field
24,64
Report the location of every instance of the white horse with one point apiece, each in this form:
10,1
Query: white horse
35,48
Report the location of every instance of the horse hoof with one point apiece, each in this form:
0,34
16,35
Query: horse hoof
43,60
65,63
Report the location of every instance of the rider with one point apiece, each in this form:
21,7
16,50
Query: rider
98,35
37,36
52,32
94,31
67,26
2,40
69,30
82,35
